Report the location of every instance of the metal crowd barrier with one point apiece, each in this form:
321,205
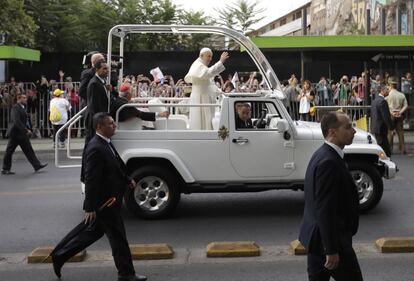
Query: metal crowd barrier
38,105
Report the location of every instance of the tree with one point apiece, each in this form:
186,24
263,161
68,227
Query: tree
61,26
226,17
16,25
83,25
240,15
193,41
100,17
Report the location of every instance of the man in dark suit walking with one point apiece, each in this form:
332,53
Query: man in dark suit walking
97,97
381,120
331,206
105,177
19,134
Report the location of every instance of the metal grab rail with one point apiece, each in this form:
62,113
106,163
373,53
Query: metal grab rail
160,98
68,155
355,112
69,125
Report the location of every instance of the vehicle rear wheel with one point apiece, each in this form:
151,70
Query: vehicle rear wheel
156,194
369,184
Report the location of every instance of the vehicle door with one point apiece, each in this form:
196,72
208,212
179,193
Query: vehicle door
260,150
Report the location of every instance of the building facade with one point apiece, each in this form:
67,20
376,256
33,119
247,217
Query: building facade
344,17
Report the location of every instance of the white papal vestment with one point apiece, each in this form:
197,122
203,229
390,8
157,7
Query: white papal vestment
203,91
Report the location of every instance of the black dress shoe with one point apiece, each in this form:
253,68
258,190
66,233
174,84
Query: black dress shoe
57,266
7,172
132,278
40,167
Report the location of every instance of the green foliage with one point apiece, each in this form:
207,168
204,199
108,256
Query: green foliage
18,27
226,17
193,41
83,25
240,15
60,24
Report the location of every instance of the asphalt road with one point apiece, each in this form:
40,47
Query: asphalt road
37,209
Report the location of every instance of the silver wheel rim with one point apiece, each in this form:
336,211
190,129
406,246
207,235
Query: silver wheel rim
364,184
152,194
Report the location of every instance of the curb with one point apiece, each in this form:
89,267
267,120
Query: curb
41,255
163,251
138,252
233,249
395,244
297,249
151,251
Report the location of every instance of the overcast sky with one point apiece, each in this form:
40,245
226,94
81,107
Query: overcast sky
273,8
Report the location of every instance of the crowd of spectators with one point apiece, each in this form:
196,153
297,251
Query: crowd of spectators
38,94
301,96
345,92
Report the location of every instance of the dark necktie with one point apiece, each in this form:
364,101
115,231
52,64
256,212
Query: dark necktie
112,148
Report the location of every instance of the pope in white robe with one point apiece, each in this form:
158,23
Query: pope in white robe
204,90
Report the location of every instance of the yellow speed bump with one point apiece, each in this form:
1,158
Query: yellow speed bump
297,248
395,244
41,255
233,249
151,251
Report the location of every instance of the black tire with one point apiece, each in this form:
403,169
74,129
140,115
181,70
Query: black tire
156,195
369,183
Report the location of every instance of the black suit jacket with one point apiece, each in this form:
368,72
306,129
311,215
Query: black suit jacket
97,99
129,112
380,116
105,174
18,117
331,203
86,76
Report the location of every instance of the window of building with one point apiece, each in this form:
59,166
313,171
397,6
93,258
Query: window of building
282,22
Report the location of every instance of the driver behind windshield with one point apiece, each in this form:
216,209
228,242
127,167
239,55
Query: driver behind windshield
243,116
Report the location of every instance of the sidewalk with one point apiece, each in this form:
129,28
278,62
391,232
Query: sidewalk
44,147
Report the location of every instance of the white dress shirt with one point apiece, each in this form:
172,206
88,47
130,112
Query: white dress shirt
337,149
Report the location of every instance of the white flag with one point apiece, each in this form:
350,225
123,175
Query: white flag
157,74
235,79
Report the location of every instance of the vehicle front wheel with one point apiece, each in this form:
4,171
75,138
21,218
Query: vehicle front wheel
156,194
369,184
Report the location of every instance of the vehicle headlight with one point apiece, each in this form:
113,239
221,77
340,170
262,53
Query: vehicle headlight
382,155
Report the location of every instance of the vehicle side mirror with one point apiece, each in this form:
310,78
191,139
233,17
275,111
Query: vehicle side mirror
282,125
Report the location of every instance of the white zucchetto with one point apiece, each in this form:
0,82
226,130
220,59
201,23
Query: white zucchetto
205,50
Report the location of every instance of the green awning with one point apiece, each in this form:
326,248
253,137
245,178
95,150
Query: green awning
18,53
349,41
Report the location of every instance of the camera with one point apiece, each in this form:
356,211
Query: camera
86,61
116,64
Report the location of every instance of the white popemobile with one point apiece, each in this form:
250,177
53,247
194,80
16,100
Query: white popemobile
172,159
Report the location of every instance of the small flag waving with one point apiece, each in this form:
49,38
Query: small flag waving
362,123
235,79
157,74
